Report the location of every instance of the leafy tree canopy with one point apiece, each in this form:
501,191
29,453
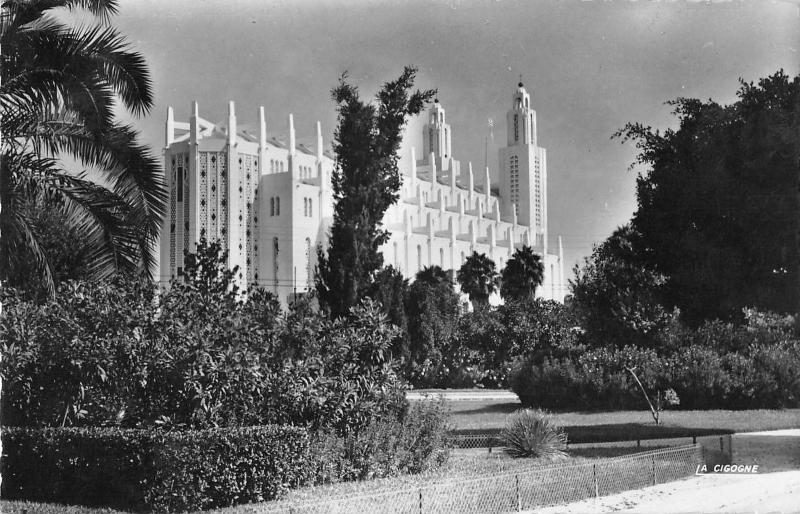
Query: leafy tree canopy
718,201
366,181
616,295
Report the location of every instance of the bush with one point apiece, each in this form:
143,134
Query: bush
197,356
533,433
416,443
761,376
153,470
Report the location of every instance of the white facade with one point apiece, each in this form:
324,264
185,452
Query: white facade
270,203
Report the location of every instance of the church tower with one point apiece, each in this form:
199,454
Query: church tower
436,134
523,169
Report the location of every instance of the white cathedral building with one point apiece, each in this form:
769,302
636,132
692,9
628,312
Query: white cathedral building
269,201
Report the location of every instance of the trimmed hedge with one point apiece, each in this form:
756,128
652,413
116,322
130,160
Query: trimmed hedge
704,378
148,470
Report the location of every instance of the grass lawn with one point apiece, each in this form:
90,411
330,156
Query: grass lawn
771,453
490,415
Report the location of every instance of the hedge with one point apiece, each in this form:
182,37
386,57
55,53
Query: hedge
762,377
152,470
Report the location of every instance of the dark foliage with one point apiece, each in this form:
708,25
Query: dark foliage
390,290
715,367
432,307
523,273
366,181
156,470
479,279
419,441
197,356
60,86
616,295
718,204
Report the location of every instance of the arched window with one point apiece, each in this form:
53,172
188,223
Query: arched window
272,165
305,206
277,206
281,166
310,211
462,258
441,257
396,256
272,206
419,257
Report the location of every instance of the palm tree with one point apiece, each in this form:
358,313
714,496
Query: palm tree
433,275
59,88
478,278
523,273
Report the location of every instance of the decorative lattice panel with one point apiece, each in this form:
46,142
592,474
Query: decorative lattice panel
213,196
203,194
224,200
251,165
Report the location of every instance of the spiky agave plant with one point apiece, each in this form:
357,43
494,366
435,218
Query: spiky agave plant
533,433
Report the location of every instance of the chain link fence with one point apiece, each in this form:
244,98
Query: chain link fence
491,442
515,491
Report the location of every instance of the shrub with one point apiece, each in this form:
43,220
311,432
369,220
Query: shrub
153,470
533,433
416,443
761,376
114,354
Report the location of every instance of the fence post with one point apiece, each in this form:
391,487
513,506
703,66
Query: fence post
594,479
654,469
420,500
730,447
519,498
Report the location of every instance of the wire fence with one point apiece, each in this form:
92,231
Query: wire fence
516,491
491,442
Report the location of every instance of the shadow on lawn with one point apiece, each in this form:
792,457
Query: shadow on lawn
617,432
492,408
607,452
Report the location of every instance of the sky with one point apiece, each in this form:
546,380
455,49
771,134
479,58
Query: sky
590,66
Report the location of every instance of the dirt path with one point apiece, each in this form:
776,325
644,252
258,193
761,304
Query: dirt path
768,492
776,488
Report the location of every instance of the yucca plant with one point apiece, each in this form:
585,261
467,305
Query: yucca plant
533,433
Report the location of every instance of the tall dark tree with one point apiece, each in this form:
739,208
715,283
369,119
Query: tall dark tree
718,203
523,273
366,181
616,294
432,307
478,278
390,290
59,89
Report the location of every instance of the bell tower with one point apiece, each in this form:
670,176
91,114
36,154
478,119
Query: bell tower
521,119
523,169
437,134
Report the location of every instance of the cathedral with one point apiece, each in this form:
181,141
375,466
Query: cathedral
268,200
